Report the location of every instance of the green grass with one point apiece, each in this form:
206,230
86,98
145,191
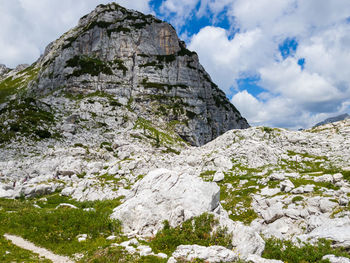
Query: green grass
238,200
301,181
194,231
297,198
158,137
56,229
12,85
118,254
152,64
26,117
11,253
291,253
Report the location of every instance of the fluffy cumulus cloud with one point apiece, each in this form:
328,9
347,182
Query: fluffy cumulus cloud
27,26
297,87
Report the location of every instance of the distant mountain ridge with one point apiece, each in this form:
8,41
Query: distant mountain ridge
333,119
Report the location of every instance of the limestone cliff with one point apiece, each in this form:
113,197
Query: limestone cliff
139,59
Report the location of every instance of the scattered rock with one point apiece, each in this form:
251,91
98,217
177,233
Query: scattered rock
208,254
335,259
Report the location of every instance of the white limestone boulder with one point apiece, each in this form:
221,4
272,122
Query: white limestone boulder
208,254
245,240
165,195
335,259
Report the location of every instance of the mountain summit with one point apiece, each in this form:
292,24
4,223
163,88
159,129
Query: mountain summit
139,61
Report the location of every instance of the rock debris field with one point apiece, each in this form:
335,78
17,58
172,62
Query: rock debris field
116,146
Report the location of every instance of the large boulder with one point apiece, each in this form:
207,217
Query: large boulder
337,230
245,240
165,195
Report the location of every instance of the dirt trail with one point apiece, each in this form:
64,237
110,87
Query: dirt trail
20,242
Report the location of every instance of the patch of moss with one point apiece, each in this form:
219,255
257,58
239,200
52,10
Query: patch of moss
297,199
26,117
198,230
118,30
120,65
152,64
11,85
287,251
166,58
158,137
87,65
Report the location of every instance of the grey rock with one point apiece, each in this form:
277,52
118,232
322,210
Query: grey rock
286,186
165,195
219,176
66,205
272,213
337,230
245,239
335,259
141,58
208,254
3,70
333,119
326,206
258,259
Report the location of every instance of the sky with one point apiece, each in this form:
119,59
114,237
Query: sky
282,63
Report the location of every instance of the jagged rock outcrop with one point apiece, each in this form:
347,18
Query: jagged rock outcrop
333,119
3,70
139,59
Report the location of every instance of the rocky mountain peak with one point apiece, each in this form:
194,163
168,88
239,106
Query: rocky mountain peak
140,59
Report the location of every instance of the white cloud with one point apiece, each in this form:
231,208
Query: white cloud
178,10
227,59
27,26
293,97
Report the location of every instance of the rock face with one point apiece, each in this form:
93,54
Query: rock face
138,58
333,119
165,195
3,70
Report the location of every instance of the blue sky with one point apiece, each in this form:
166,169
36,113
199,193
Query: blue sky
282,63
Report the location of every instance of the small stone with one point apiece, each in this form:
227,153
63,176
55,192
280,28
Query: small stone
66,205
162,255
82,237
335,259
286,186
343,201
144,250
337,177
219,176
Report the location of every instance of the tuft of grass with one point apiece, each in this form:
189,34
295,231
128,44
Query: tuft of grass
297,199
160,138
118,254
198,230
291,253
